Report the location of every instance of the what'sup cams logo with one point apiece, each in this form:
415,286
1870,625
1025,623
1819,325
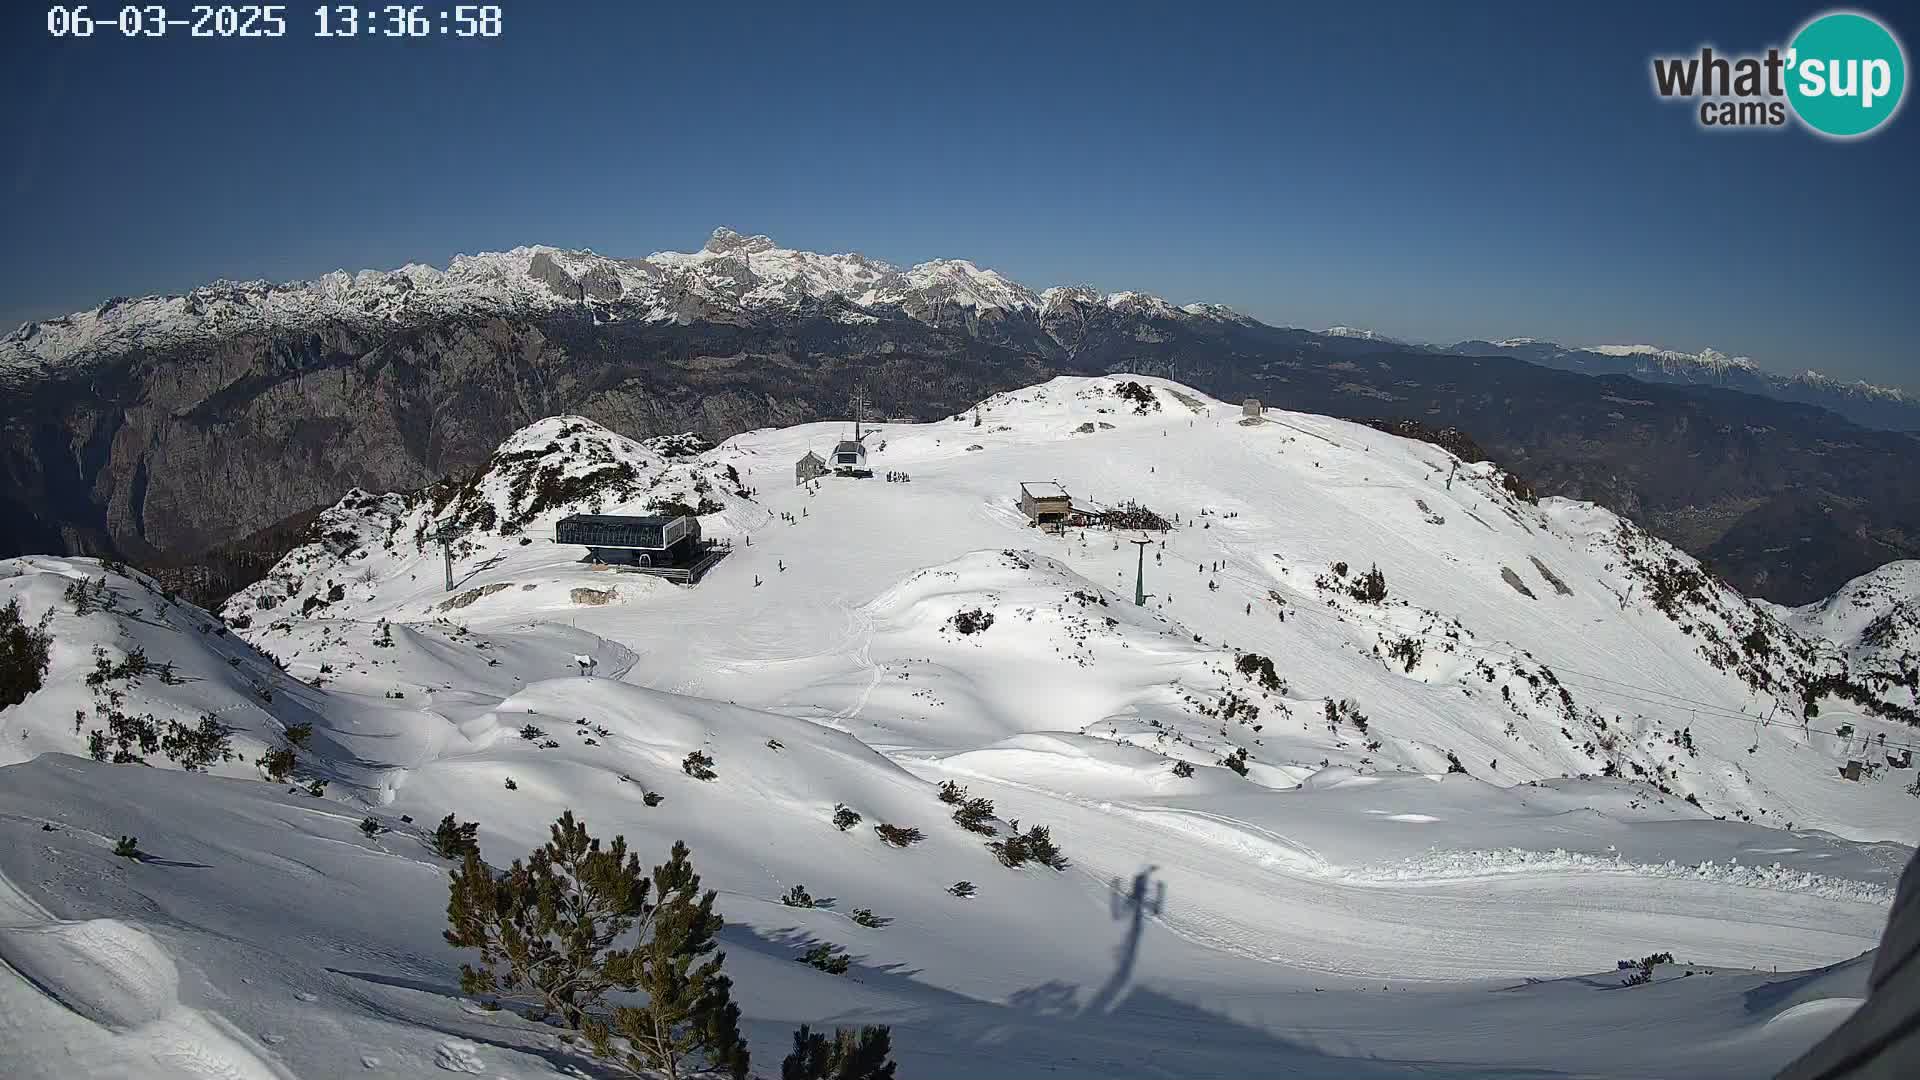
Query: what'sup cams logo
1843,76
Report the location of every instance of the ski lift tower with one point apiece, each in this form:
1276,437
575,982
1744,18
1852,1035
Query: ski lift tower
857,404
445,535
1140,573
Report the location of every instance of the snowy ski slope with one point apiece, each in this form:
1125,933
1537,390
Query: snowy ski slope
1349,906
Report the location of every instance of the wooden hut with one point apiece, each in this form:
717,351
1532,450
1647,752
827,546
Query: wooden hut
809,467
1046,503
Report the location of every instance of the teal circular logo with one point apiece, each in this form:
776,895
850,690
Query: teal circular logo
1846,74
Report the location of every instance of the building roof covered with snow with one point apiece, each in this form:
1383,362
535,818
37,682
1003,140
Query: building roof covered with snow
1044,489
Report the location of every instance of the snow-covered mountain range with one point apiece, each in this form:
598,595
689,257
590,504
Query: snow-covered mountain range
164,429
1858,400
1391,758
732,276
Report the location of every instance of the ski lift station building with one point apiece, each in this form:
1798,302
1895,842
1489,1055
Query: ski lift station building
849,455
1045,502
653,540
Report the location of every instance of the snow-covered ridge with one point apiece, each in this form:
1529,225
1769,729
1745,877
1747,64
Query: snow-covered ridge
1477,623
1708,363
1706,358
1858,387
731,274
1360,333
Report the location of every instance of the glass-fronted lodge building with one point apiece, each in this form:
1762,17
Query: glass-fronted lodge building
652,540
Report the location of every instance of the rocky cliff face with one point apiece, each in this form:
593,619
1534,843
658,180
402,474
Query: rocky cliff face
167,426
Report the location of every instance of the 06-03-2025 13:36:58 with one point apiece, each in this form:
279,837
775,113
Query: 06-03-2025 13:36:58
246,21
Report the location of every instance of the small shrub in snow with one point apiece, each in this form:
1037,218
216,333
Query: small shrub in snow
532,733
511,786
1237,761
1643,968
88,595
826,957
1453,763
974,815
370,827
962,889
129,737
972,621
951,793
1370,587
200,747
898,836
1034,845
299,735
652,798
130,669
699,766
866,917
277,763
844,817
775,744
1182,769
799,897
849,1055
128,848
1260,669
455,839
1407,651
317,787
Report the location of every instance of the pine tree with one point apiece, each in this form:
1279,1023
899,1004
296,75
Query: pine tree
550,930
454,839
689,1010
973,815
24,653
849,1055
546,928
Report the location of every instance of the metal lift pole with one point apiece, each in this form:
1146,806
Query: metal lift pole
1140,574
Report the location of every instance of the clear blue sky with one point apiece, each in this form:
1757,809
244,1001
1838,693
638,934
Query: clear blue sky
1438,171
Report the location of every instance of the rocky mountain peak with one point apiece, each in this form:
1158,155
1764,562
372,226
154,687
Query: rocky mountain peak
725,241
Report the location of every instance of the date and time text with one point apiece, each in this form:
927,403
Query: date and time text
243,21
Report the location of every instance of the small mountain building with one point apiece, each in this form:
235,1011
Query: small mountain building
1252,408
653,540
1046,503
809,468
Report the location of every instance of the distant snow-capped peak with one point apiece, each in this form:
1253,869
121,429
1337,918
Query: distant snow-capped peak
1706,358
1859,387
1360,333
732,273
